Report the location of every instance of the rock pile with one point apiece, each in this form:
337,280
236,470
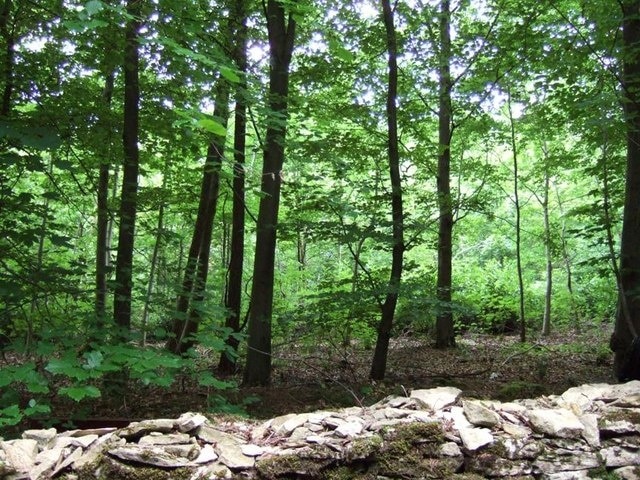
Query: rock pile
592,431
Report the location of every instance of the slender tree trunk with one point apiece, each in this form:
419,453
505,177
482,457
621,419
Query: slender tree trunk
9,58
608,221
281,38
301,250
624,341
233,300
566,260
102,240
546,318
445,335
516,201
185,323
152,273
129,195
379,362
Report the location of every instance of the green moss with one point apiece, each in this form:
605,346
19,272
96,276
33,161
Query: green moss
348,473
290,466
414,433
497,448
520,389
620,415
112,470
411,451
363,448
602,473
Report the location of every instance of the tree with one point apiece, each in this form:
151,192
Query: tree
445,336
103,243
624,341
7,30
185,323
131,167
379,362
233,297
281,28
518,214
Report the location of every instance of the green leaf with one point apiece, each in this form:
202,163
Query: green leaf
10,415
212,126
229,74
94,359
67,367
206,379
80,393
93,6
339,51
34,408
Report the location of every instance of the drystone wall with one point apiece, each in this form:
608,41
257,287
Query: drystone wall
592,431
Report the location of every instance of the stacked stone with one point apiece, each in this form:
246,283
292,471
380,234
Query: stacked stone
587,432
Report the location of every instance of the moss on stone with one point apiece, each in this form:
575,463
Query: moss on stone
414,433
107,468
412,451
112,470
602,473
620,415
520,389
363,448
289,466
348,473
498,448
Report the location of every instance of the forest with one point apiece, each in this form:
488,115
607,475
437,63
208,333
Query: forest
205,196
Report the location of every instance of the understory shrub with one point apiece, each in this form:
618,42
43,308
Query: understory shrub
69,367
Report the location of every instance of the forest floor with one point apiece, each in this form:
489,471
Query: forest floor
315,376
319,375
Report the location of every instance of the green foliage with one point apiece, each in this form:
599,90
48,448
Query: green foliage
77,371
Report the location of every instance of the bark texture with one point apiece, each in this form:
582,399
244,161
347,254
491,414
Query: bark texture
379,363
281,29
233,298
188,305
129,195
625,341
445,335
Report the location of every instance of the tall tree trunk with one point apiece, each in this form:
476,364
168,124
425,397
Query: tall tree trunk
379,362
152,273
624,341
233,300
6,31
516,202
546,317
445,335
185,323
129,195
102,240
566,260
281,38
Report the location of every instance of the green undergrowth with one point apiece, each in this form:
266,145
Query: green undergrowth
64,371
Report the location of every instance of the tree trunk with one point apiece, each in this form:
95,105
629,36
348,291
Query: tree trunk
445,335
152,273
233,298
102,239
379,362
566,260
185,323
129,194
546,318
516,202
6,32
281,37
624,341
